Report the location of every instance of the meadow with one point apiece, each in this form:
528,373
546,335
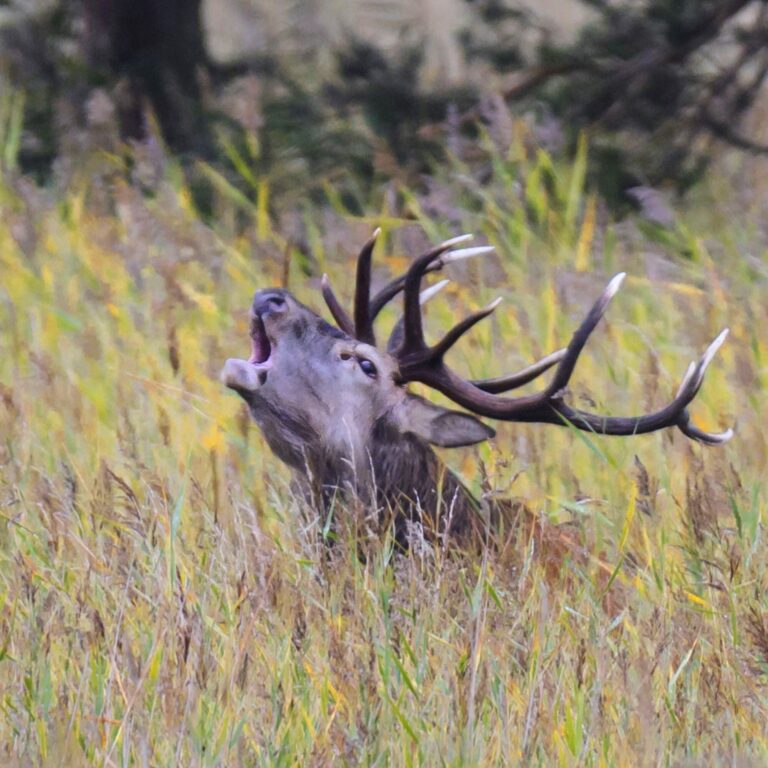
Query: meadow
164,600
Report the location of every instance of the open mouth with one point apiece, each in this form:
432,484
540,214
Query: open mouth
261,349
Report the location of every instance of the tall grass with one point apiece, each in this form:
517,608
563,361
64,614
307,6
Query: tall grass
165,601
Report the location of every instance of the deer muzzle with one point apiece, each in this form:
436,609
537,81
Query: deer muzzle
244,375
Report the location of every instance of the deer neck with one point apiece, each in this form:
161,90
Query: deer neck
412,483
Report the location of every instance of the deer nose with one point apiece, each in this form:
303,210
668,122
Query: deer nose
268,302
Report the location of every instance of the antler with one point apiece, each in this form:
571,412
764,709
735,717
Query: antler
367,309
362,325
420,362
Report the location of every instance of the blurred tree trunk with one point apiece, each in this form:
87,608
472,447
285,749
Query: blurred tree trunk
156,48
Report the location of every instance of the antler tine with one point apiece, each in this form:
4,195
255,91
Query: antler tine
708,438
396,337
565,358
526,375
362,314
413,336
432,291
690,387
365,310
410,359
413,330
343,320
565,368
548,405
438,351
674,414
391,289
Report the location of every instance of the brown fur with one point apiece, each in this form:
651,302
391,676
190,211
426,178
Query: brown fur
347,434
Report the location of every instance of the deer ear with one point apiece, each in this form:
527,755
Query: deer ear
440,426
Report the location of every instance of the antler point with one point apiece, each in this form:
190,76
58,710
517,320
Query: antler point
455,241
467,253
686,379
723,437
713,348
428,293
615,284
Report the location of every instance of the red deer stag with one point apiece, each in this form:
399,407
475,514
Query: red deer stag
334,406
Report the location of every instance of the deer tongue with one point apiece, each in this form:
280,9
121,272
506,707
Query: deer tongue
261,349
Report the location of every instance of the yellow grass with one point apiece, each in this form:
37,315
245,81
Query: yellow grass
164,600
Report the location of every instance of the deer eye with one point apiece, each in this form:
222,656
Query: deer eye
367,367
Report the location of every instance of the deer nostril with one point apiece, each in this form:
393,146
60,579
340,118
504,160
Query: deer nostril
267,302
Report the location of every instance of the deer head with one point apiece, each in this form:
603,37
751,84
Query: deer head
334,405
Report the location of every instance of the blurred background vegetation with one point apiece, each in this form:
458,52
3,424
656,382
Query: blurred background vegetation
304,93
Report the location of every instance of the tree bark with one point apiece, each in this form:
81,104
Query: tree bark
156,47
